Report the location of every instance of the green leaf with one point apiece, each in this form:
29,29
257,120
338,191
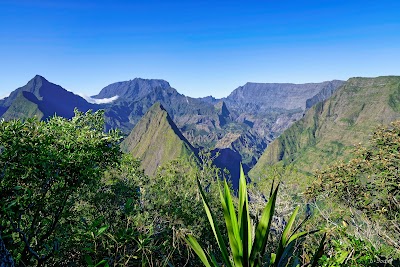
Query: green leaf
246,234
214,227
102,262
262,230
88,260
320,251
192,242
286,234
243,202
302,234
102,229
231,225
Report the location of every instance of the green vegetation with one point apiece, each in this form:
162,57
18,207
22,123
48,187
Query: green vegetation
70,197
347,118
156,140
46,168
21,107
357,198
246,250
369,183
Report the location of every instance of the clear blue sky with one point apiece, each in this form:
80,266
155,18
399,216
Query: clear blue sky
201,47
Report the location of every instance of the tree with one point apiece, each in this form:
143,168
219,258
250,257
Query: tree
170,205
108,226
369,183
44,168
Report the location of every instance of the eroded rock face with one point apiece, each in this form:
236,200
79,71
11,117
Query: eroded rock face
324,94
288,96
134,89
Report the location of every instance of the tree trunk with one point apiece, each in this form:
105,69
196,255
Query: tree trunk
5,257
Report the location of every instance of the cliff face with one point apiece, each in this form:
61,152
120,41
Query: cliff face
324,94
279,95
132,90
329,130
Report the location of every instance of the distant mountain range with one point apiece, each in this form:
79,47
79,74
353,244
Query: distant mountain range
238,127
329,130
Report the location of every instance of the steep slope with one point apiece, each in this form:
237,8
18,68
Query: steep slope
324,94
25,105
41,98
132,90
329,130
207,122
156,140
136,96
267,96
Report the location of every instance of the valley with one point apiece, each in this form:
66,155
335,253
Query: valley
238,127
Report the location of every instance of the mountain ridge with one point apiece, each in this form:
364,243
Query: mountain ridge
330,129
207,123
156,140
49,98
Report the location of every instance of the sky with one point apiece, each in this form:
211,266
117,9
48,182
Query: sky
200,47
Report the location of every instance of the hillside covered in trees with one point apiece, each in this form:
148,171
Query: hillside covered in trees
70,197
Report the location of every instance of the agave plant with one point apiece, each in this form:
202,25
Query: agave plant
246,251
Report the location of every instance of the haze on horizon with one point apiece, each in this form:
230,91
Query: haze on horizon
200,47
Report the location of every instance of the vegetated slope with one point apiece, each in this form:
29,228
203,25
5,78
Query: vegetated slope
202,123
156,140
241,125
267,109
25,105
42,99
329,130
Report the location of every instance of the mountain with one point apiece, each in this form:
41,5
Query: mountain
136,96
132,90
328,89
239,126
330,129
42,99
264,111
156,140
268,96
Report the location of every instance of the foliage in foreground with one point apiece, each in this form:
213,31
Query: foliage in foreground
244,250
44,167
170,203
369,183
69,197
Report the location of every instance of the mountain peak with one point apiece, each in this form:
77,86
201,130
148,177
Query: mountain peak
39,78
156,140
157,107
132,89
49,99
222,108
37,82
